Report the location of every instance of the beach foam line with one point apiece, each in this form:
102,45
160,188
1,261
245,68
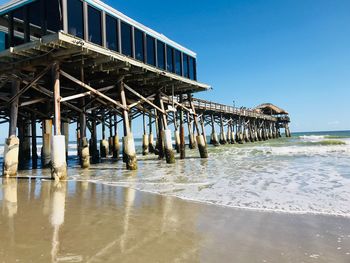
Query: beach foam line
257,209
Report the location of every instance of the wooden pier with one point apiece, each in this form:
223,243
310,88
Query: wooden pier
57,79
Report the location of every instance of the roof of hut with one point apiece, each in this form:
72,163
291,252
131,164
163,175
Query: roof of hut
270,109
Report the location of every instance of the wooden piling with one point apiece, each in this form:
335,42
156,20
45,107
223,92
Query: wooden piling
11,150
182,132
222,131
116,146
166,140
128,139
202,147
151,138
93,141
214,137
145,141
58,153
34,144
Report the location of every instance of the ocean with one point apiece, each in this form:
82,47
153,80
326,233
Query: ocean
308,173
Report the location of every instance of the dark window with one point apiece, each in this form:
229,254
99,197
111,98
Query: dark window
53,15
2,41
126,39
178,69
75,18
161,55
18,17
18,13
185,65
95,31
139,45
151,55
169,59
34,13
34,16
192,68
111,33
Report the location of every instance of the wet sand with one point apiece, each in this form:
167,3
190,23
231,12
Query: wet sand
42,221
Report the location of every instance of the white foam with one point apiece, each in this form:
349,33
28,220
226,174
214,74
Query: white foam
313,138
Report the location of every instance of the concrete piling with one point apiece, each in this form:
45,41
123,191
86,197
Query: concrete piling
203,151
85,153
168,146
58,142
166,139
129,152
11,152
58,158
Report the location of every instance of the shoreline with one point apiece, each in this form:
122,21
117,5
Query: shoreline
77,221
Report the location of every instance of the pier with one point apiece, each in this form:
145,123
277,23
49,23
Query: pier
95,68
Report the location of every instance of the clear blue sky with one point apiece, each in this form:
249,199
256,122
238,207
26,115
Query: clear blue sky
293,53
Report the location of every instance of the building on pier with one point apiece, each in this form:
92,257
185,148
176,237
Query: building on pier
93,21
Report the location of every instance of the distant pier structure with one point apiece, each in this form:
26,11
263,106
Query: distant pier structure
65,62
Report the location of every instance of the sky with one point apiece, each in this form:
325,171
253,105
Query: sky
292,53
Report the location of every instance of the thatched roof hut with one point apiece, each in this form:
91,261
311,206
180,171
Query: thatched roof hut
270,109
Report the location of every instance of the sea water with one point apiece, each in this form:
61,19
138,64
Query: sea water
308,173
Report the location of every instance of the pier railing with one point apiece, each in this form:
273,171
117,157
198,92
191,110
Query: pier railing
209,106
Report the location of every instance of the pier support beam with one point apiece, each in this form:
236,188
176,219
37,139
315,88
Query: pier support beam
233,136
34,144
182,132
11,150
116,146
213,137
165,134
145,137
229,134
176,132
222,131
93,141
110,138
65,132
287,131
46,146
129,151
58,154
104,148
203,130
84,145
202,147
24,142
191,141
151,138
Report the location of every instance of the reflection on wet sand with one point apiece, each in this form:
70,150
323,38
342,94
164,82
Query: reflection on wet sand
44,221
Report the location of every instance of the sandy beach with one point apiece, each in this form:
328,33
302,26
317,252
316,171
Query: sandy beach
42,221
